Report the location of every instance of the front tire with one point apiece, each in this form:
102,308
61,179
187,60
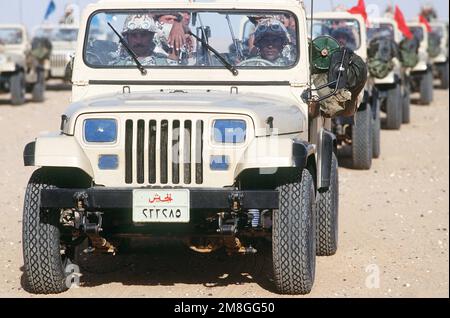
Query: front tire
327,208
406,103
17,88
293,236
39,87
44,264
362,139
426,88
394,107
443,75
376,132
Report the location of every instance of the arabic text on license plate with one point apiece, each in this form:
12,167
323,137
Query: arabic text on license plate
161,206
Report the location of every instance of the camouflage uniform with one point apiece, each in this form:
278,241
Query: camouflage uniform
273,27
138,22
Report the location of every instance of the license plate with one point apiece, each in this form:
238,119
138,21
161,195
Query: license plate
161,206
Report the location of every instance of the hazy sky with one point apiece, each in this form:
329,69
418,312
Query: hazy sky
31,12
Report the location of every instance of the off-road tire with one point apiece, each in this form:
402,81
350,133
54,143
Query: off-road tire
406,104
426,88
327,208
293,236
44,268
39,87
376,132
443,75
17,88
362,139
394,106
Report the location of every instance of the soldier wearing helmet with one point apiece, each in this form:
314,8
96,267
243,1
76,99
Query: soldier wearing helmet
270,38
345,37
139,31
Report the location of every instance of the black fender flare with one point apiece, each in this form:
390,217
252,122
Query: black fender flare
28,154
326,147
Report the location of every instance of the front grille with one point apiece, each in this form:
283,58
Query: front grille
58,60
164,151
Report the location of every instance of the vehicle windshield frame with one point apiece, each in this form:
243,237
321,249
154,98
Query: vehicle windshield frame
339,19
13,29
52,31
381,25
197,10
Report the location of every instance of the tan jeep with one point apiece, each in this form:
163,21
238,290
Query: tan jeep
362,131
422,74
64,43
214,149
394,90
440,61
20,71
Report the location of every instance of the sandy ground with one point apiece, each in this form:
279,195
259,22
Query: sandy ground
393,224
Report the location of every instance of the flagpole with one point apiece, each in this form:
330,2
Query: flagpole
20,11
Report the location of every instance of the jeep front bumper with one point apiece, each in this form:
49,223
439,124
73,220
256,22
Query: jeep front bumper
122,198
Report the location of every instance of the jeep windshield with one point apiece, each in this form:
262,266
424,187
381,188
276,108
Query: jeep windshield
57,34
384,30
417,31
244,40
345,31
10,36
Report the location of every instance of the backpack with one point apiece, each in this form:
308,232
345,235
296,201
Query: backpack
409,52
381,52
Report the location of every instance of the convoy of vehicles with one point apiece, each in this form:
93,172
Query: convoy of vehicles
223,142
21,70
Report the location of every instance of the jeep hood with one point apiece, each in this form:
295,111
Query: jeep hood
287,116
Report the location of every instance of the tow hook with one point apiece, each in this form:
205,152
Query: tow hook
236,201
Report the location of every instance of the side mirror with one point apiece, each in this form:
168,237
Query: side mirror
69,69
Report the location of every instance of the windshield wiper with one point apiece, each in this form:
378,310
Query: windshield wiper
225,63
130,51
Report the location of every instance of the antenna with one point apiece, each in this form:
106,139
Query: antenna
311,46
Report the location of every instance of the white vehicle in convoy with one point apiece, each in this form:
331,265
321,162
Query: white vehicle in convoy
440,59
422,73
361,131
212,148
20,70
64,43
394,87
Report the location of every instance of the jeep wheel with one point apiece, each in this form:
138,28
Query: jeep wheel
394,107
293,236
406,103
376,132
327,207
426,88
17,88
44,261
443,75
362,139
39,87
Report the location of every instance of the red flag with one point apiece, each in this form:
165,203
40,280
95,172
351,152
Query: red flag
401,23
359,9
425,21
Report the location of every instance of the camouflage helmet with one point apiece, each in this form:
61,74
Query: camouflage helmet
139,22
271,27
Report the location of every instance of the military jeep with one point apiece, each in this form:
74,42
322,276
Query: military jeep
361,131
422,73
385,67
64,41
439,55
20,69
216,148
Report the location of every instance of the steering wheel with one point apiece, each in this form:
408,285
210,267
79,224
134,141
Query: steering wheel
93,58
256,62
